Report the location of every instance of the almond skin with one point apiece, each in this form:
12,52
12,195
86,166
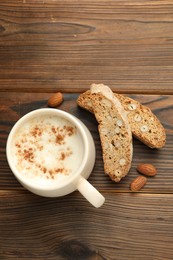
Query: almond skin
147,169
138,183
55,100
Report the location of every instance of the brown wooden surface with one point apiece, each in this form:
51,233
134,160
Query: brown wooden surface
48,46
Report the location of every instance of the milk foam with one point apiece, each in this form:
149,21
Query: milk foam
47,150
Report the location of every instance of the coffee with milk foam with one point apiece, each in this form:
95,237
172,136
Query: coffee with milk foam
47,150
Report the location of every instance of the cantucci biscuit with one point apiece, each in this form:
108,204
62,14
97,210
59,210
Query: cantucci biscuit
145,126
114,130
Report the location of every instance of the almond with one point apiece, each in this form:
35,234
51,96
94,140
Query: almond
138,183
147,169
55,100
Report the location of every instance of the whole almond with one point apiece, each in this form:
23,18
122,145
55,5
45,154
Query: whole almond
147,169
138,183
55,100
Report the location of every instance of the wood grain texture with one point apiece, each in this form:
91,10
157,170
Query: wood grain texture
14,106
134,226
129,225
33,227
67,45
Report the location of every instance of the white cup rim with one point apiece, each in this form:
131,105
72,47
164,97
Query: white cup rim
74,120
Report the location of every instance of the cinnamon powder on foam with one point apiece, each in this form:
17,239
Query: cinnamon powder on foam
33,141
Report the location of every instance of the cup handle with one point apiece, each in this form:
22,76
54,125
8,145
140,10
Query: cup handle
90,193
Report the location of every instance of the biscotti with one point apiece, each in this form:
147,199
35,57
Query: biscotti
114,130
145,126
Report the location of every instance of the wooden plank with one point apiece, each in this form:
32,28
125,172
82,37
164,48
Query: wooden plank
46,45
13,106
134,227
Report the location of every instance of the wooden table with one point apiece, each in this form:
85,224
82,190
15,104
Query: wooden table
48,46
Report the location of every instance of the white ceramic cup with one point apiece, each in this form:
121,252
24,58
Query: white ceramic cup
85,159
